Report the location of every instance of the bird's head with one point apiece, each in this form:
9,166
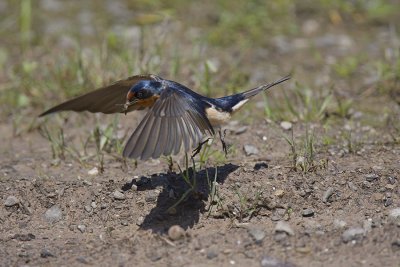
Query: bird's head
143,94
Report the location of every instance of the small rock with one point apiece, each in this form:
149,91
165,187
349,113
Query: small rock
94,171
88,208
211,254
279,193
124,223
175,232
355,233
286,125
328,193
394,216
371,177
140,221
118,195
396,244
367,225
81,227
11,201
93,205
377,196
54,214
257,234
250,150
267,261
307,213
45,253
260,165
282,226
239,130
24,237
151,196
339,224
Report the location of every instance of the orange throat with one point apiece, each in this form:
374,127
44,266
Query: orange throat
148,102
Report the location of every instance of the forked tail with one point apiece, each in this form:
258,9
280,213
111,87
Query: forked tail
255,91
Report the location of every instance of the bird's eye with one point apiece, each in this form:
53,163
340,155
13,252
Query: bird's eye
140,94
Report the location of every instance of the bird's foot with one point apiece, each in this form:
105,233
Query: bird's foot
199,147
222,138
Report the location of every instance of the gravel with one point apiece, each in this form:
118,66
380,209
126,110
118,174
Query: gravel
54,214
354,233
286,125
45,253
307,213
11,201
267,261
175,232
118,195
82,228
394,216
250,150
282,226
371,177
93,171
327,194
257,234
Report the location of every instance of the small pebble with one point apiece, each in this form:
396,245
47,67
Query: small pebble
260,165
54,214
211,254
140,221
81,227
257,234
11,201
371,177
151,196
88,208
45,253
250,150
396,244
282,226
355,233
339,224
286,125
394,216
328,193
118,195
239,130
267,261
176,232
94,171
24,237
279,193
307,213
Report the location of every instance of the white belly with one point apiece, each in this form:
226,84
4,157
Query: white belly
217,118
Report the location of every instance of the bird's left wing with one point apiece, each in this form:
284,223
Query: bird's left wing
175,118
108,99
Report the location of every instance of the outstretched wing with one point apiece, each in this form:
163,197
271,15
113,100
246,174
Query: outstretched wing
107,99
175,118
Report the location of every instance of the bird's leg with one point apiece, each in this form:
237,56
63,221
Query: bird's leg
199,147
222,138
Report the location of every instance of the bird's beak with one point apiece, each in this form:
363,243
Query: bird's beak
129,103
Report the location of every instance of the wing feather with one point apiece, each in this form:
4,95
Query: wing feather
176,120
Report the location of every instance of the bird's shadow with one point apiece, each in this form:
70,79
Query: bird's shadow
173,186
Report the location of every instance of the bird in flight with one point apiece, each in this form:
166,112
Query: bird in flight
177,117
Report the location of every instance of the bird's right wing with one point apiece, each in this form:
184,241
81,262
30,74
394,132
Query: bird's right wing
108,99
175,118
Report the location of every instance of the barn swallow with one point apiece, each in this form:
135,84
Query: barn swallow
176,114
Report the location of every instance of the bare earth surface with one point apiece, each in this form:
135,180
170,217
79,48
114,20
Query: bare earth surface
330,199
353,193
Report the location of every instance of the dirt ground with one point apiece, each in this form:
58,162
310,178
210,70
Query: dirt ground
331,199
94,228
